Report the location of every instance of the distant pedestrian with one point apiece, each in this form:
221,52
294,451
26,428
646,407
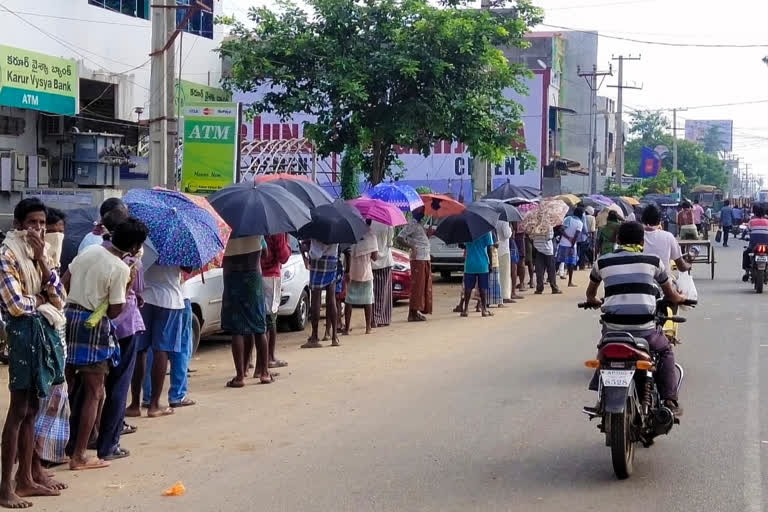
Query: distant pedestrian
493,295
587,240
503,235
567,252
476,267
698,213
323,262
521,251
96,236
726,221
686,221
382,275
545,261
415,237
360,288
606,237
275,256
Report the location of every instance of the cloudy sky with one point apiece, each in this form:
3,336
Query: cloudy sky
692,76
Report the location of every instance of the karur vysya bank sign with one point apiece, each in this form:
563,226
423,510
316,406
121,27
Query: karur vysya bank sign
448,168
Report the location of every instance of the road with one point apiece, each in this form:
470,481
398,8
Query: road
456,415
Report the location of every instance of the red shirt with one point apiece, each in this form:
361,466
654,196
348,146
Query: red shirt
278,251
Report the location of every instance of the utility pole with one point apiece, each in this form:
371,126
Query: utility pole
620,114
674,145
591,79
482,182
163,124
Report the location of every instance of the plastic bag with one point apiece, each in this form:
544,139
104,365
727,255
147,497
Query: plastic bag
686,287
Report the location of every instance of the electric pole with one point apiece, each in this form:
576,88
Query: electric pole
674,145
620,114
482,181
591,79
163,124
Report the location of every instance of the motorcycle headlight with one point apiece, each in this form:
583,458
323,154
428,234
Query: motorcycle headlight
288,274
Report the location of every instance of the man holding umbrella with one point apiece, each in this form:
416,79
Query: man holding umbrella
323,264
476,272
415,237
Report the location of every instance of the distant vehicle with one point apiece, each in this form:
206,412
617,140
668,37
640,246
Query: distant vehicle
401,276
708,195
206,297
446,258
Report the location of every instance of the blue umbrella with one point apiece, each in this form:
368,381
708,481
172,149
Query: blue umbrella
261,209
182,233
401,195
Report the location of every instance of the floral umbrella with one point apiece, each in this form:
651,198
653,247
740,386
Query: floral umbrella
224,233
549,214
401,195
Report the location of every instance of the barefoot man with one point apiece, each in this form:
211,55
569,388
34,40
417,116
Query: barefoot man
323,265
31,297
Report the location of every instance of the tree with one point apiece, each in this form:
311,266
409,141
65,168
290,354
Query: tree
712,140
648,125
384,73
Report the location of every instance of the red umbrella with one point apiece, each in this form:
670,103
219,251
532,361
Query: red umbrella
379,211
224,233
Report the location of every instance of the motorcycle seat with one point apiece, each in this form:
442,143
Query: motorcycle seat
625,337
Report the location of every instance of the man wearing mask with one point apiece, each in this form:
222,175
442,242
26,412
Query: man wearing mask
31,298
96,236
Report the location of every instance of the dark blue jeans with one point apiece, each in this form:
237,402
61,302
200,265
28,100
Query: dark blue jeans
117,385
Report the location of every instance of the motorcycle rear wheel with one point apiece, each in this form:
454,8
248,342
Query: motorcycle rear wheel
622,446
759,278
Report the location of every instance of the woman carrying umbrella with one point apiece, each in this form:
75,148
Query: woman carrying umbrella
360,289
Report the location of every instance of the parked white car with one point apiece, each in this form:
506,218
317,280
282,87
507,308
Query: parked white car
206,297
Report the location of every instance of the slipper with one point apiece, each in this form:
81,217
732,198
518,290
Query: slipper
119,453
163,412
270,381
92,463
235,384
128,429
487,313
191,370
464,314
277,364
185,402
312,344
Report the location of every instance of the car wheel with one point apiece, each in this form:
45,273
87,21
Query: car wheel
298,319
195,333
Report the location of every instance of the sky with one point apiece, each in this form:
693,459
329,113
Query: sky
692,77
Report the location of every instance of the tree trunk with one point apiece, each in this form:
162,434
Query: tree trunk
349,176
379,161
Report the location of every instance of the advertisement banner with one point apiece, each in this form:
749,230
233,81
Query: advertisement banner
446,170
189,93
210,147
35,81
697,129
649,163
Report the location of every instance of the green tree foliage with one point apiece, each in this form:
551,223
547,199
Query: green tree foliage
696,165
712,140
383,73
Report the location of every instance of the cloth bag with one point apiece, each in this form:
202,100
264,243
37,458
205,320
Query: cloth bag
719,235
686,287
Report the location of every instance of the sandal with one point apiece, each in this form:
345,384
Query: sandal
128,429
234,383
118,453
185,402
277,364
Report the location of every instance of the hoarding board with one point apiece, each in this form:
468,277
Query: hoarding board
210,147
696,129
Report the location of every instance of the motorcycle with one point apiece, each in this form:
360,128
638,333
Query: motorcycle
629,403
757,273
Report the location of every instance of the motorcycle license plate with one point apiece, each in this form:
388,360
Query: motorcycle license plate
616,378
761,259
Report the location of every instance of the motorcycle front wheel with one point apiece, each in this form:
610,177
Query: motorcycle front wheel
759,278
622,446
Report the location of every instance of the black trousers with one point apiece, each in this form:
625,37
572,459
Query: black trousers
726,234
545,262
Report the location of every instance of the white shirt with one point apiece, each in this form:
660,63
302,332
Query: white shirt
384,236
162,287
318,249
571,227
97,276
503,233
543,243
662,244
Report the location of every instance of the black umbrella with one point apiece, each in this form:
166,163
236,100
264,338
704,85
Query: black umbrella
509,191
264,209
335,223
80,222
309,192
507,212
469,225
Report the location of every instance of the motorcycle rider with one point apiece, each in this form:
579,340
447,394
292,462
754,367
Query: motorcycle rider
630,302
758,235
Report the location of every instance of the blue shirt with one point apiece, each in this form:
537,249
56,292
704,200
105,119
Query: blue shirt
726,216
737,214
477,261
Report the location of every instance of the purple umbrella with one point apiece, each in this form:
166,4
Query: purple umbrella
605,201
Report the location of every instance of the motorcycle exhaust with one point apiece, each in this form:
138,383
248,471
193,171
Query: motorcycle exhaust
662,421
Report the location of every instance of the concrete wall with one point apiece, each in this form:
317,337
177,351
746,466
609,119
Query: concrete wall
105,44
580,51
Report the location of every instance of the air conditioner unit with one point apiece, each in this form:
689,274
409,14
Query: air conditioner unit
43,171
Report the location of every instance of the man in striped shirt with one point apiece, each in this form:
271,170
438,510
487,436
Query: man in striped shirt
630,278
758,235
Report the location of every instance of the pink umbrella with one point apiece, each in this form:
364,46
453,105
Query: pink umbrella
379,211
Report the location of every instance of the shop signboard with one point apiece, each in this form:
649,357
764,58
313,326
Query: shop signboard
210,147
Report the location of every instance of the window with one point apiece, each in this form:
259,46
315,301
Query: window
135,8
201,22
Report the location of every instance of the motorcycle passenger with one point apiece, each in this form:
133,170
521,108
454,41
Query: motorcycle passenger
659,242
630,279
758,235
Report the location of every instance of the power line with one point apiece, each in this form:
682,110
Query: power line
591,6
657,43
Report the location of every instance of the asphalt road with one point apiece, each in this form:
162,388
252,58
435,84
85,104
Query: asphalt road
470,414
